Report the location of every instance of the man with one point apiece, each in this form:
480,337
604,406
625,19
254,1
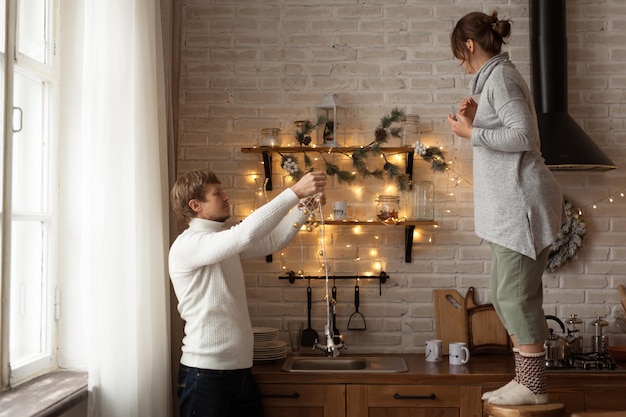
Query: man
215,378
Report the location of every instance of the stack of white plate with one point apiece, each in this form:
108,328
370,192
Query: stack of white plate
267,347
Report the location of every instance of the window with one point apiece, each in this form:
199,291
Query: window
28,187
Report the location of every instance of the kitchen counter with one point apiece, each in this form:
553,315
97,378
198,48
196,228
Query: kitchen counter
481,369
434,386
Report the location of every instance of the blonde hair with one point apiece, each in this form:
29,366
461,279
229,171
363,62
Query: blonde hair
190,186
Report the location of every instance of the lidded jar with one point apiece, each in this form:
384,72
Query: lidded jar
388,208
573,334
270,137
411,129
600,341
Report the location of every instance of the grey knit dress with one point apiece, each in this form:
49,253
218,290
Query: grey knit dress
517,201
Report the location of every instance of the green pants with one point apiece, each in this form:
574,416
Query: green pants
517,293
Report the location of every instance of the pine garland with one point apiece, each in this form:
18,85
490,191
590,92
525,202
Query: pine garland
389,127
570,238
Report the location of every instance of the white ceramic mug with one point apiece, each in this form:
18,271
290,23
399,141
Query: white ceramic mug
341,209
433,350
459,353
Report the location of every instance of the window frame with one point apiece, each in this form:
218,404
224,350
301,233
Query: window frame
12,374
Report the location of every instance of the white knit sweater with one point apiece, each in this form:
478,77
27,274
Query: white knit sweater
206,273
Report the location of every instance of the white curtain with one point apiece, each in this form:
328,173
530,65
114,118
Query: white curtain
124,227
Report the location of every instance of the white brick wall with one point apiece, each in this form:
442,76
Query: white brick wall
250,65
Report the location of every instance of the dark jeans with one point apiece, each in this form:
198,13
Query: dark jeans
209,393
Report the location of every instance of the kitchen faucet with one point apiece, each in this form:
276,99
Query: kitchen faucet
331,348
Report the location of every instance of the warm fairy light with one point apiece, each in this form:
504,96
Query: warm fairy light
398,158
378,266
356,230
376,237
373,252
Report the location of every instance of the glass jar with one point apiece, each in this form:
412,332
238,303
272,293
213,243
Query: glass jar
420,201
600,341
270,137
388,208
573,334
411,129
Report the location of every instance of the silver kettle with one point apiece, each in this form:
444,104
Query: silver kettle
558,349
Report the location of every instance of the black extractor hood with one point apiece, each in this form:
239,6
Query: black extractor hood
564,144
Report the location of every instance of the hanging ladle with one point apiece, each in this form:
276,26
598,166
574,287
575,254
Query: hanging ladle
359,320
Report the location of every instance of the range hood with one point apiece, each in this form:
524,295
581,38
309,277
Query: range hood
564,144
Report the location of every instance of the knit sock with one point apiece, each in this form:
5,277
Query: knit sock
531,388
489,394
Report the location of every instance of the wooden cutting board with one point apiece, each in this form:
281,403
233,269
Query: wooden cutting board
450,317
485,332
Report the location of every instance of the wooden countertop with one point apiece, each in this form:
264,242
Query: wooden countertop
481,369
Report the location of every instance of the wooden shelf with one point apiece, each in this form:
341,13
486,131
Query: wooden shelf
378,223
409,230
409,226
338,149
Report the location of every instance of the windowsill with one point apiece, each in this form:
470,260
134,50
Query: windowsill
49,395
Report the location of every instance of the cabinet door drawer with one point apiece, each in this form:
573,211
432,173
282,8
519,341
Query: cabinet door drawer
412,396
598,398
282,395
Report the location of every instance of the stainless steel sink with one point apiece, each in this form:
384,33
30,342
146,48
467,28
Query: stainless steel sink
345,364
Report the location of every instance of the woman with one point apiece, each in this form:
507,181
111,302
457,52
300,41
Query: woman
517,202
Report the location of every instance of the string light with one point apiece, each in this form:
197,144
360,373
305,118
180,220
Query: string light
610,198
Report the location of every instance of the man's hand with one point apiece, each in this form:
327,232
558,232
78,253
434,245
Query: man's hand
312,183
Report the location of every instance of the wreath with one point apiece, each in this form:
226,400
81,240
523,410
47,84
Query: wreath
570,238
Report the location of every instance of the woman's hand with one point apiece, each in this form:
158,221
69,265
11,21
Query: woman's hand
462,123
468,108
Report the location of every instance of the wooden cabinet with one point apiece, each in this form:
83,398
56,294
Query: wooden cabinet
413,400
426,390
304,400
348,400
605,398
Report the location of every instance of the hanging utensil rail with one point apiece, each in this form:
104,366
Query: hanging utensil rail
382,278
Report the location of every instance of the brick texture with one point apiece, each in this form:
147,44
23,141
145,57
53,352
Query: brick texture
252,65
